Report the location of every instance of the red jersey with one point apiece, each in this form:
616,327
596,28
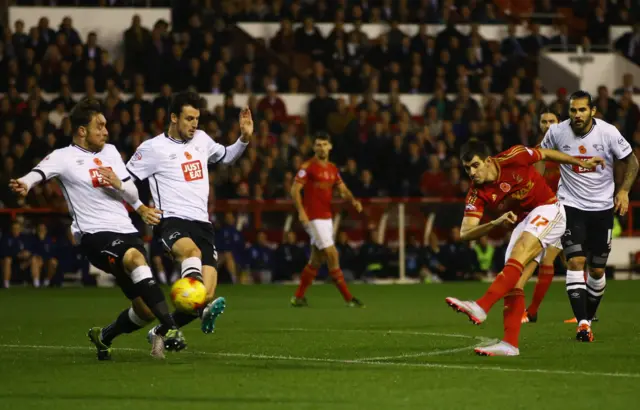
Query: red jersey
519,188
318,180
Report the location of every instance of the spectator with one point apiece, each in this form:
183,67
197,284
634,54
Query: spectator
289,259
18,257
261,259
231,247
484,254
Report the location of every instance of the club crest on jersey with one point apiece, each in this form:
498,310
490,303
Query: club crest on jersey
505,187
517,177
192,171
493,197
173,156
566,148
96,178
598,147
187,155
97,161
582,149
137,156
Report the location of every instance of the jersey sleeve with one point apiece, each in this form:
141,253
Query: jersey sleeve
302,176
547,141
618,144
51,166
118,165
474,204
215,152
339,180
521,155
143,163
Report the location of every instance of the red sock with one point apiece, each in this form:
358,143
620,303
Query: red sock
503,283
545,276
306,279
513,311
338,278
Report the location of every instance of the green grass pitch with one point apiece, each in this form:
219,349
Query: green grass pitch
406,350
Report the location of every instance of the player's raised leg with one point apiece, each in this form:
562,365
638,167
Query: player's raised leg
136,281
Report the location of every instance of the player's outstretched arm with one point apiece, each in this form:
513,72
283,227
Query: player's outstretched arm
345,193
21,186
562,158
471,228
621,200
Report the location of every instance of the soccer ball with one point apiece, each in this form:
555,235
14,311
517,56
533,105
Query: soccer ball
188,295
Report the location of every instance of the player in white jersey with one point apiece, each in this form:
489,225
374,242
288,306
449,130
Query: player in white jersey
176,165
590,202
94,181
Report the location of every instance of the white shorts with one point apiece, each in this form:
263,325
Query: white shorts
547,223
321,233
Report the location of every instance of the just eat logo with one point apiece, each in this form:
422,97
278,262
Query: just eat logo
192,170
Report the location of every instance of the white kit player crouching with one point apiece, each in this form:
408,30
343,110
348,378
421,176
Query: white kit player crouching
176,165
94,181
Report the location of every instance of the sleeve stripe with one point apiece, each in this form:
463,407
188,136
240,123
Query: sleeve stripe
222,157
44,177
134,175
126,179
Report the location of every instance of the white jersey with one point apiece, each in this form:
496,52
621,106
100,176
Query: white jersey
178,173
94,204
585,189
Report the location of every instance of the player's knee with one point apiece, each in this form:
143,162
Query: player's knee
142,311
132,259
186,248
576,263
331,253
596,273
526,249
53,263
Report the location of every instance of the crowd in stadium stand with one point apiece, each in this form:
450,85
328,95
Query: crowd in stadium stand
381,149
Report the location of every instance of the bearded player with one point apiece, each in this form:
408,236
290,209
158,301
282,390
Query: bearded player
318,177
510,183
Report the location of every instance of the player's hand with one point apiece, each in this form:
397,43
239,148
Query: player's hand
592,163
304,219
246,123
18,187
621,202
506,219
110,177
150,216
357,204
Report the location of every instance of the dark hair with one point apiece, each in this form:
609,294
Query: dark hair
323,137
547,110
82,114
474,148
183,99
580,94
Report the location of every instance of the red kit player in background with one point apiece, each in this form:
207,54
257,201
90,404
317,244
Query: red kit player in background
546,271
510,183
318,177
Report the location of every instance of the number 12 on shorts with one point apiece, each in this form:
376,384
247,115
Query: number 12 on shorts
539,221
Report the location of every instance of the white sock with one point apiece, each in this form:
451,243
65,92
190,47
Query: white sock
46,282
192,266
36,283
595,287
162,277
6,284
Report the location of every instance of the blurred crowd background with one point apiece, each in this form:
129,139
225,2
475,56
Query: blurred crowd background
478,89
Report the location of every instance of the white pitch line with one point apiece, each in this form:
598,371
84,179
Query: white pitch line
484,342
396,332
356,362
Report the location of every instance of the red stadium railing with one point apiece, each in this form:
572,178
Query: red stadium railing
257,208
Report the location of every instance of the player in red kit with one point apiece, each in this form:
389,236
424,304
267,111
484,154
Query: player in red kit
318,177
546,271
510,183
